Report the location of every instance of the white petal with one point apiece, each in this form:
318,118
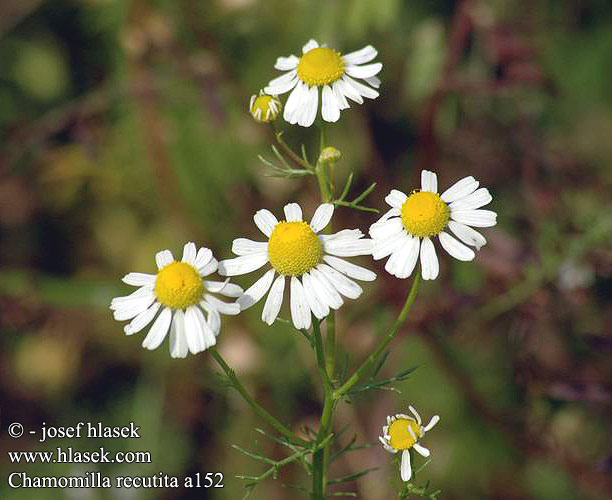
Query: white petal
386,229
142,319
460,189
360,56
265,221
214,318
158,331
139,279
392,212
163,258
294,102
208,268
274,301
365,71
405,469
244,246
132,305
282,86
321,217
434,420
311,44
255,292
429,181
132,298
415,413
386,246
342,102
467,234
202,258
210,338
363,90
282,79
421,450
349,91
307,118
351,270
344,235
429,260
401,251
477,199
223,287
476,218
189,253
344,285
328,292
300,312
293,212
409,258
330,107
396,198
454,248
286,63
348,248
374,81
178,339
231,308
243,264
311,291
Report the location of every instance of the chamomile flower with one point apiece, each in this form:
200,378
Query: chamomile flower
264,108
181,293
404,432
310,262
325,68
407,229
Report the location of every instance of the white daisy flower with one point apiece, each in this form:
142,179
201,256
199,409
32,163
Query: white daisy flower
403,432
317,277
182,294
335,73
406,231
264,108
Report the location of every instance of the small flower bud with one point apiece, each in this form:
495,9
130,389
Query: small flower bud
330,155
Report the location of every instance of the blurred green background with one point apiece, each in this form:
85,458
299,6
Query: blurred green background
124,130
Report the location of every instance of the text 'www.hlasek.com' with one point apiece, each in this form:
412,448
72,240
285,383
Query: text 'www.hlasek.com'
99,466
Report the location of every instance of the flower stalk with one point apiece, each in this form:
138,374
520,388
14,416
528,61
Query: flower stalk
257,408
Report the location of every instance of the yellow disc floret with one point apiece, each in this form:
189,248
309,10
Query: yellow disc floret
403,433
294,248
178,286
424,214
320,66
264,108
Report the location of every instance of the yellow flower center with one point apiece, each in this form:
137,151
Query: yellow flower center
424,214
320,66
178,286
294,248
265,108
400,437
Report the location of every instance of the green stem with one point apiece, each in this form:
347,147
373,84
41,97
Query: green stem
373,357
288,151
262,412
330,345
326,360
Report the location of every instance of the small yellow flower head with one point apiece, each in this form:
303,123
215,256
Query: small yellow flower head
403,433
320,66
424,214
178,286
264,108
294,248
